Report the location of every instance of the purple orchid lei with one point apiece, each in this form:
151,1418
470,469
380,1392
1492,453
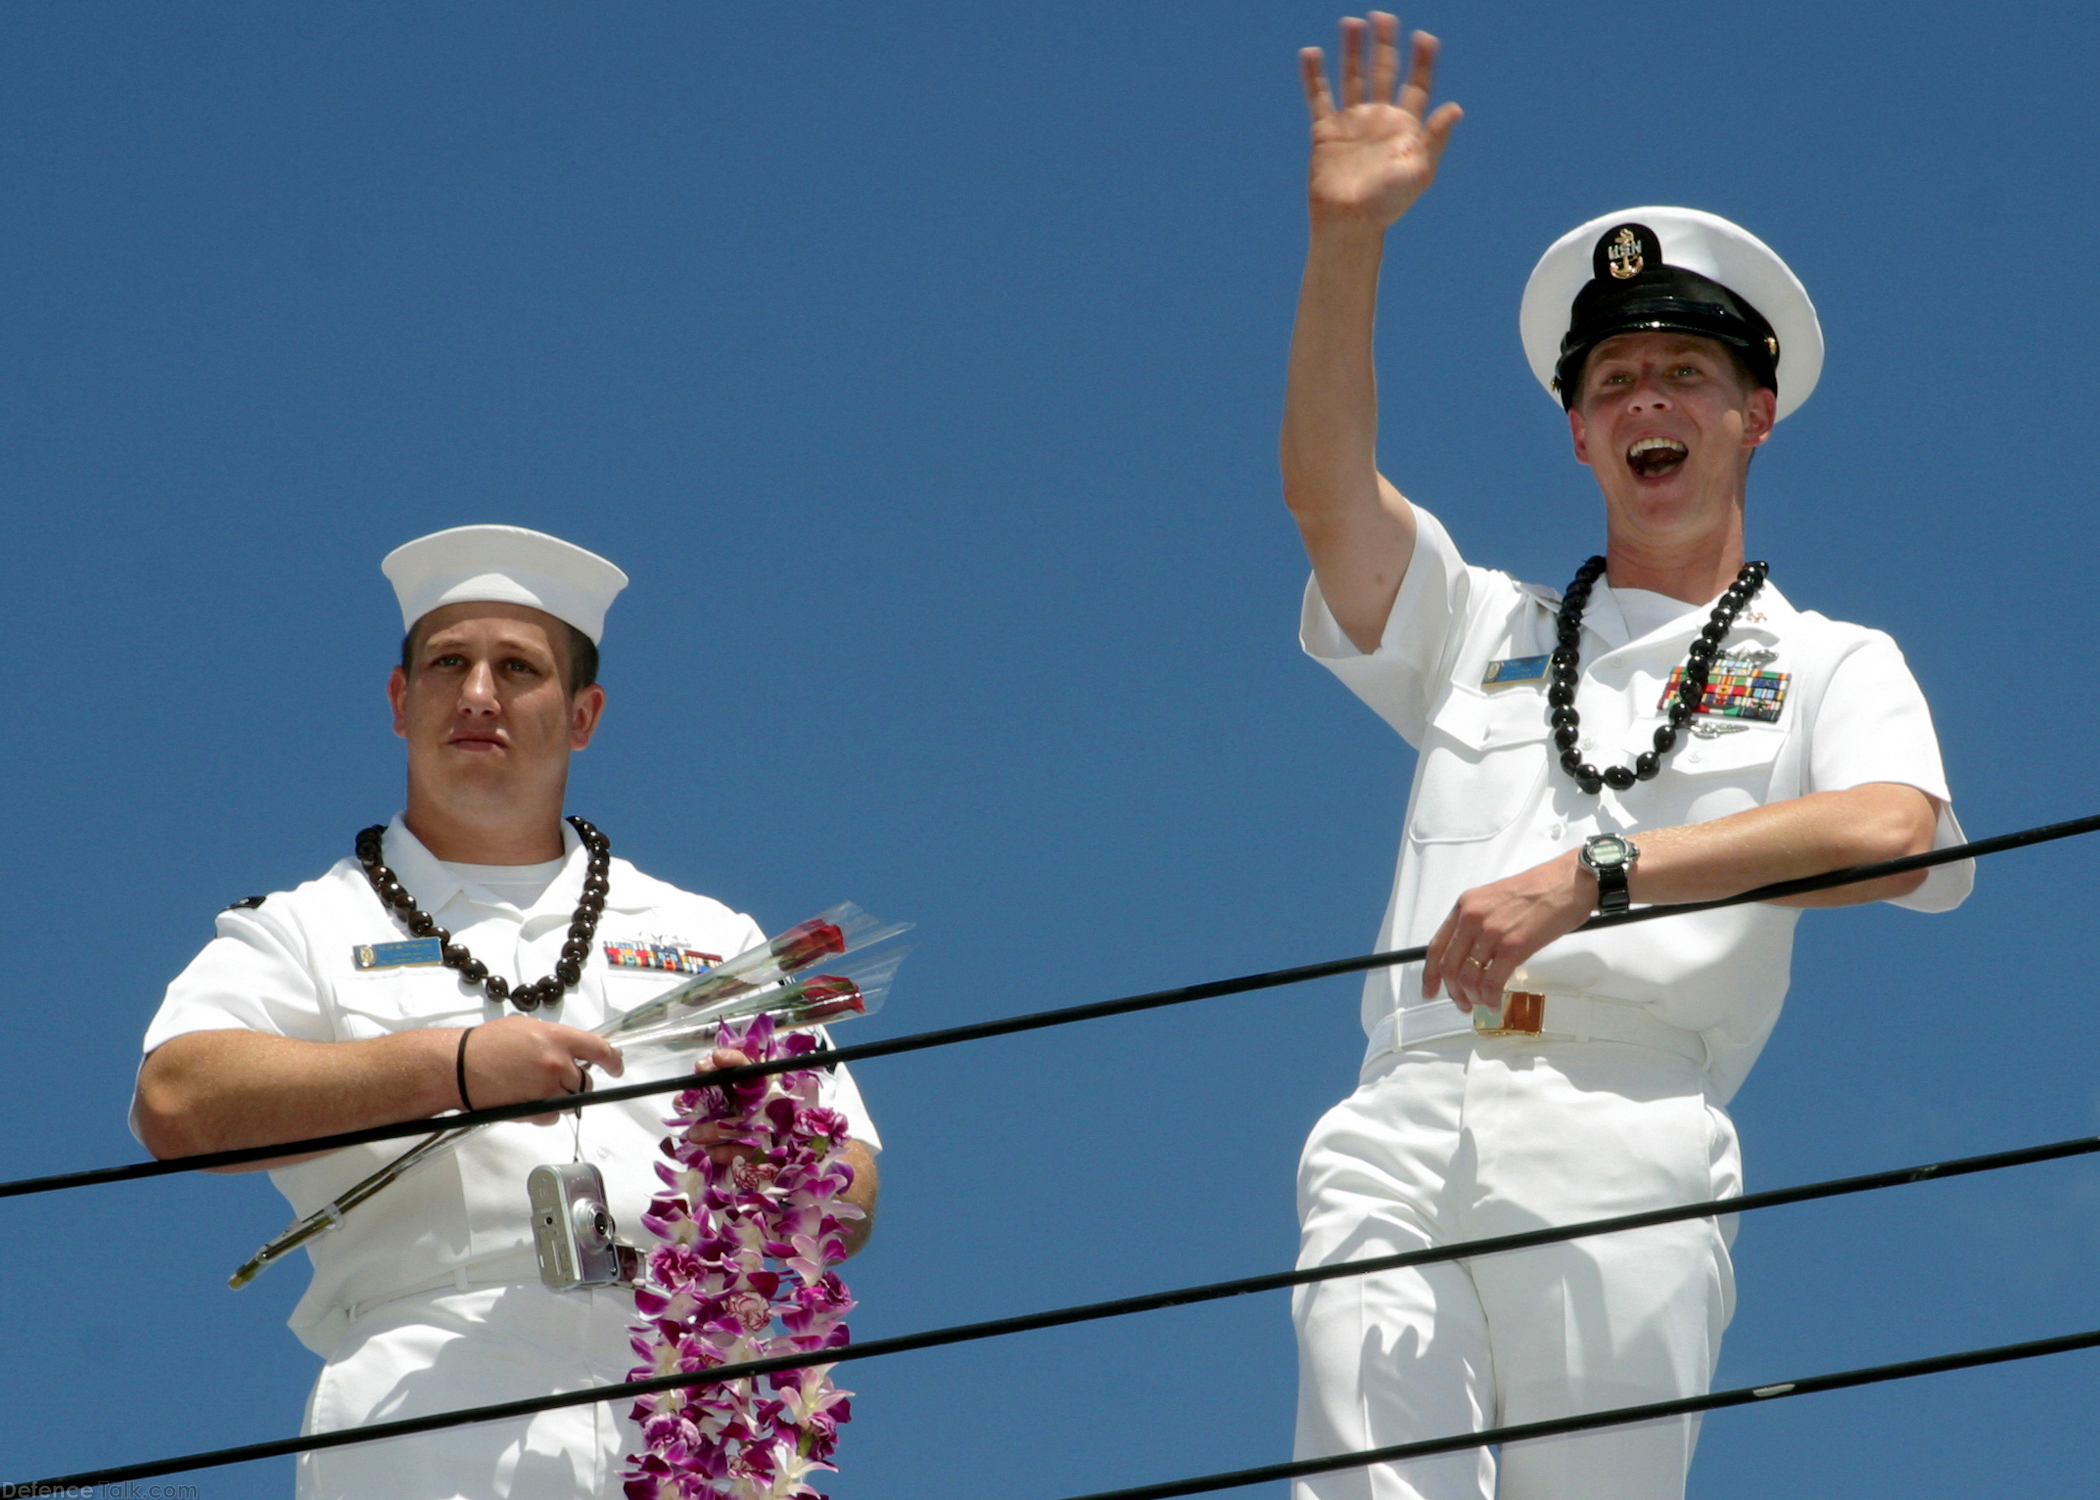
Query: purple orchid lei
743,1273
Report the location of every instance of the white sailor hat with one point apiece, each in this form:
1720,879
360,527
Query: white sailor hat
507,565
1675,270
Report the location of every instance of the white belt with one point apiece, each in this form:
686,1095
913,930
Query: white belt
1538,1018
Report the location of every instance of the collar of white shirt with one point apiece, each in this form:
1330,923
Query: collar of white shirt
433,885
1766,614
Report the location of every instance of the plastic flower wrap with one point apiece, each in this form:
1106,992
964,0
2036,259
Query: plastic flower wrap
747,983
855,987
743,1272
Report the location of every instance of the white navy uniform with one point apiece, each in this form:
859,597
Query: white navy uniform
1618,1104
427,1298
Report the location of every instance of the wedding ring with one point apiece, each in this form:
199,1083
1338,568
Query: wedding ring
1478,963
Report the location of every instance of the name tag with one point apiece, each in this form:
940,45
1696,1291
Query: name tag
398,955
1516,669
1751,694
666,958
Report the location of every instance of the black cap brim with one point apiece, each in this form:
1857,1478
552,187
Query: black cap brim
1665,299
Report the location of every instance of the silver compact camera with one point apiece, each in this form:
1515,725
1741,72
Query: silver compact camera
573,1231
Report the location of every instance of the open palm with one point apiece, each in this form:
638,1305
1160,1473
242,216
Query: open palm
1376,154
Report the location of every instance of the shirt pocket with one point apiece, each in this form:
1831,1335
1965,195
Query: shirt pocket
1482,763
376,1005
1729,773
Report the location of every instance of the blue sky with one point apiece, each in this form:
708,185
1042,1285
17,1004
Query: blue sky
923,368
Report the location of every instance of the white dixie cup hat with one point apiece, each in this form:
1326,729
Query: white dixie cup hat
1676,270
505,565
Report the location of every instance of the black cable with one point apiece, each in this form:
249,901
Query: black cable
1623,1416
1095,1311
1008,1025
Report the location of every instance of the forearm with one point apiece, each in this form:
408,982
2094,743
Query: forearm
1330,404
1493,929
1358,530
223,1090
1787,841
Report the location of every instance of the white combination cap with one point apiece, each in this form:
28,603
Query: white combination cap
504,565
1670,270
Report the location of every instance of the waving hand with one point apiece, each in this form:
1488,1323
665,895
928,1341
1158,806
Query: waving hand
1376,154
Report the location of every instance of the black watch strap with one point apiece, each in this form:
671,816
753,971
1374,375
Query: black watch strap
1612,895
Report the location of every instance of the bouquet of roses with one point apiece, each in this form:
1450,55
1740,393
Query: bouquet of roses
744,1271
761,979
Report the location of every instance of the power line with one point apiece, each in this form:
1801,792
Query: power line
1623,1416
1096,1311
1007,1025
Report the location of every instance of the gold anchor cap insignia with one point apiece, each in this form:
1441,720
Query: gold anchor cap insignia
1624,251
1623,256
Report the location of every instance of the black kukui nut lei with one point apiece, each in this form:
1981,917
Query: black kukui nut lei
1566,663
574,953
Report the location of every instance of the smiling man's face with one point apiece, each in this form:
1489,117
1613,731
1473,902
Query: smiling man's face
1667,423
487,714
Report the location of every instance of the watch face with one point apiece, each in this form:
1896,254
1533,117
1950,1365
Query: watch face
1605,852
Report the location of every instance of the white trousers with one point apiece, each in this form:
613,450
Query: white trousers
1464,1137
442,1351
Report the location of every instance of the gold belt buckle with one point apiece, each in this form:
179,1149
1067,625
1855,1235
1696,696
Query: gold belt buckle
1523,1014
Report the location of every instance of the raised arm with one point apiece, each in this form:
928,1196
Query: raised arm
1371,159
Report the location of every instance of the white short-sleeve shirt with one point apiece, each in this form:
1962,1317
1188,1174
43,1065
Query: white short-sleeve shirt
286,967
1490,799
